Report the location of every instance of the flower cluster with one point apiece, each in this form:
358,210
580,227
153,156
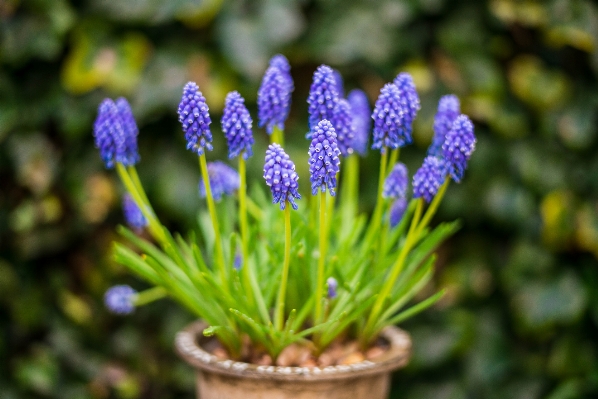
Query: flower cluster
236,125
389,119
343,126
448,111
360,110
429,177
323,158
194,116
274,95
115,132
224,180
395,185
323,96
280,176
458,146
119,299
397,210
133,215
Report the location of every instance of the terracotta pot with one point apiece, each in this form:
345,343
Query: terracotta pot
228,379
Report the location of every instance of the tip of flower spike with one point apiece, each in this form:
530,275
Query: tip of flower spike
109,134
324,159
280,176
343,126
392,119
429,177
281,62
332,287
274,99
458,146
323,96
448,111
360,109
224,180
395,185
237,126
119,299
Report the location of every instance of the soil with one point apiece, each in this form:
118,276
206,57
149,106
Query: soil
295,355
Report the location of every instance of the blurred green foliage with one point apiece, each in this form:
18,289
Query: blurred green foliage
521,316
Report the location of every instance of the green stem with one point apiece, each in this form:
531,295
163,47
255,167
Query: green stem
277,136
137,182
394,274
394,157
148,296
321,260
377,216
279,314
433,206
349,192
212,209
244,232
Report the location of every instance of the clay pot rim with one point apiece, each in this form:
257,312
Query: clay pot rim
397,356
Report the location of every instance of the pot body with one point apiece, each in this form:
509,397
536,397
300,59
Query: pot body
227,379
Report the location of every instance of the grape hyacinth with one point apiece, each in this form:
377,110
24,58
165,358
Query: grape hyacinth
332,287
343,126
224,180
236,125
458,146
119,299
274,99
323,96
238,261
448,111
409,100
109,134
361,117
389,119
338,79
323,158
280,176
395,185
194,116
280,61
133,215
130,130
397,210
429,177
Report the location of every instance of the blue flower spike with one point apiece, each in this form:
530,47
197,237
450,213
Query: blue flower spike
280,61
429,177
458,146
109,134
224,180
133,215
236,125
274,99
332,287
323,96
338,79
362,121
389,120
448,110
194,116
343,126
409,100
324,159
395,185
130,131
280,176
119,299
397,210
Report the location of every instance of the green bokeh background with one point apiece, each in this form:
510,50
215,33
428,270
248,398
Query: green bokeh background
521,315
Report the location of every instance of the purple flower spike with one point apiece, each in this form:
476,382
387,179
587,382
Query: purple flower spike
389,119
323,96
280,176
323,158
274,99
448,111
458,146
338,79
409,100
343,126
193,114
130,130
280,61
332,287
236,124
429,177
133,215
395,185
238,262
109,134
397,211
224,180
360,109
119,299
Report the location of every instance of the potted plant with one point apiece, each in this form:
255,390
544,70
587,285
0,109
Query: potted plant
295,300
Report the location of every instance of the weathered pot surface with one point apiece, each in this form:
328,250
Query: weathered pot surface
228,379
